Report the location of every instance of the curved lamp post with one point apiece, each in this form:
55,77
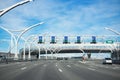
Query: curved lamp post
118,33
26,41
19,36
2,12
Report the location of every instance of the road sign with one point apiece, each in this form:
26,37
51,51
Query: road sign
78,39
65,39
110,41
52,39
93,38
40,39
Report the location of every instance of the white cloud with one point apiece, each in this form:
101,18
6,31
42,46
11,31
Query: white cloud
61,17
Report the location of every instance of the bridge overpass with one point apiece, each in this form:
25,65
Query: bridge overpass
71,44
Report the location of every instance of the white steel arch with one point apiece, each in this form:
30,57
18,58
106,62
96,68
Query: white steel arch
2,12
19,36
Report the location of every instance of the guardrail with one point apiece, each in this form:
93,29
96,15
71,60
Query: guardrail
12,60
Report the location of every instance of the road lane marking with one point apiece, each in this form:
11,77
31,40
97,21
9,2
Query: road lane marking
18,63
83,62
60,70
56,65
23,68
115,67
35,64
92,69
23,64
92,66
106,67
44,65
68,66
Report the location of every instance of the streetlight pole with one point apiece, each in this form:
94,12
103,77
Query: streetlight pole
118,33
2,12
16,56
19,36
24,50
12,37
26,41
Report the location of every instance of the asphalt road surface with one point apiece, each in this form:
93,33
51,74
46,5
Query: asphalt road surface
59,70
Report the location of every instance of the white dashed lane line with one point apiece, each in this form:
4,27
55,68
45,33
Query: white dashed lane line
44,65
60,70
23,68
35,64
92,69
115,68
68,66
56,65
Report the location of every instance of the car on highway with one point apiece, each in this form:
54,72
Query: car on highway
107,61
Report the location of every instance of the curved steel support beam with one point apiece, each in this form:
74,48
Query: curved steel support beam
107,48
2,12
116,32
28,29
12,36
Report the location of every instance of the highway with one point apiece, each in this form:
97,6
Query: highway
59,70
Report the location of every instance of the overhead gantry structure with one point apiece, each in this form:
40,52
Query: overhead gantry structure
56,44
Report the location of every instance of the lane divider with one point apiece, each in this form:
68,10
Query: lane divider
92,69
44,65
68,66
115,68
60,70
23,68
35,64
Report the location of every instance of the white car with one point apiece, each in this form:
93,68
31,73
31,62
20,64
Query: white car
107,61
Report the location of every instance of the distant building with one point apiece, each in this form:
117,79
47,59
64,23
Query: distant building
7,55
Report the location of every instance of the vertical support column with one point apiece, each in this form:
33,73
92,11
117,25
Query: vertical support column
51,55
56,55
39,54
118,54
29,54
119,49
46,54
16,54
89,55
24,51
11,44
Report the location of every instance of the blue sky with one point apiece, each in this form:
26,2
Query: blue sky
61,17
